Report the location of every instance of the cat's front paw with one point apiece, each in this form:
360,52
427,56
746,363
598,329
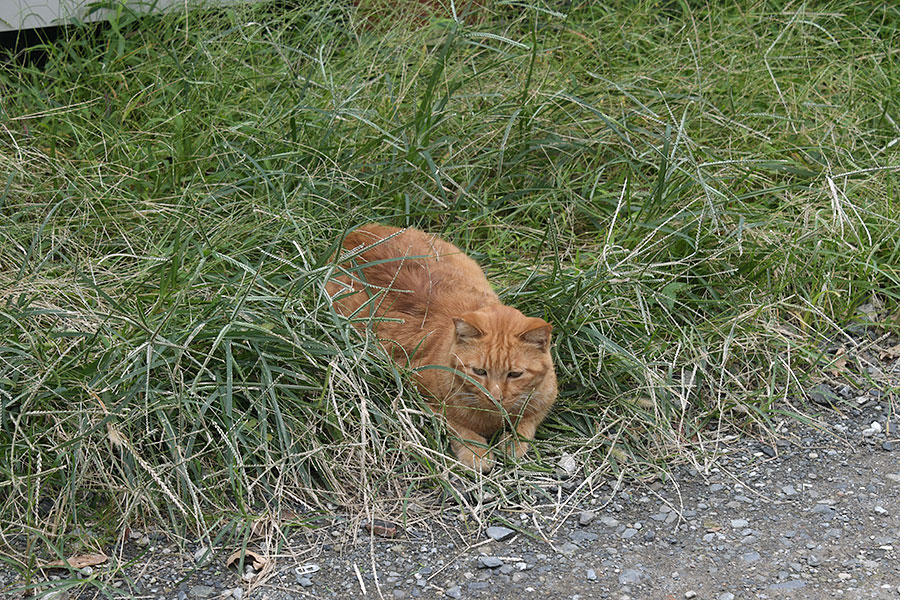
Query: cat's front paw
479,459
512,447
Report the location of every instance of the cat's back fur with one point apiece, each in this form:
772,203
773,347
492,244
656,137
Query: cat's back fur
425,275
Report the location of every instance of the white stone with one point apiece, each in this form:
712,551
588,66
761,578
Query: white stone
567,464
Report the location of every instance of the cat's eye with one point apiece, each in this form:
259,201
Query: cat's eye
514,374
479,372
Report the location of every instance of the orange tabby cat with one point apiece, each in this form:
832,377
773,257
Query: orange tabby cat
436,308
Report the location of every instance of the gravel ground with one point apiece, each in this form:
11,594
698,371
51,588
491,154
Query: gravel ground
815,515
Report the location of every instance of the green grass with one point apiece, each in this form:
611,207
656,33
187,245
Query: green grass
695,197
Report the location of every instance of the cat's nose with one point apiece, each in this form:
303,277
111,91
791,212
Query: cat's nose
496,392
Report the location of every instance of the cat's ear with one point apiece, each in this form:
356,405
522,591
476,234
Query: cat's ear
537,333
465,331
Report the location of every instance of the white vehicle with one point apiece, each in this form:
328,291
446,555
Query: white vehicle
36,14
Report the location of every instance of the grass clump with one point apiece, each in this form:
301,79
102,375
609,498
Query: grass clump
694,197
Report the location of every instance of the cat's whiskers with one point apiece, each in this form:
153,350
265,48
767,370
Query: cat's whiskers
522,401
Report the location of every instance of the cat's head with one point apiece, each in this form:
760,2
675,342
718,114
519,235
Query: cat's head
504,351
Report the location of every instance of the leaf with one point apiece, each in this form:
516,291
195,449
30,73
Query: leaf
264,525
288,515
839,365
670,293
890,353
76,562
256,560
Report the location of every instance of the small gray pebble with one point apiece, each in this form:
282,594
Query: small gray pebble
237,593
202,555
825,510
789,490
453,592
489,562
202,591
629,533
690,594
568,548
586,517
582,536
478,585
822,394
793,584
591,575
500,534
739,523
750,557
629,577
726,596
305,581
